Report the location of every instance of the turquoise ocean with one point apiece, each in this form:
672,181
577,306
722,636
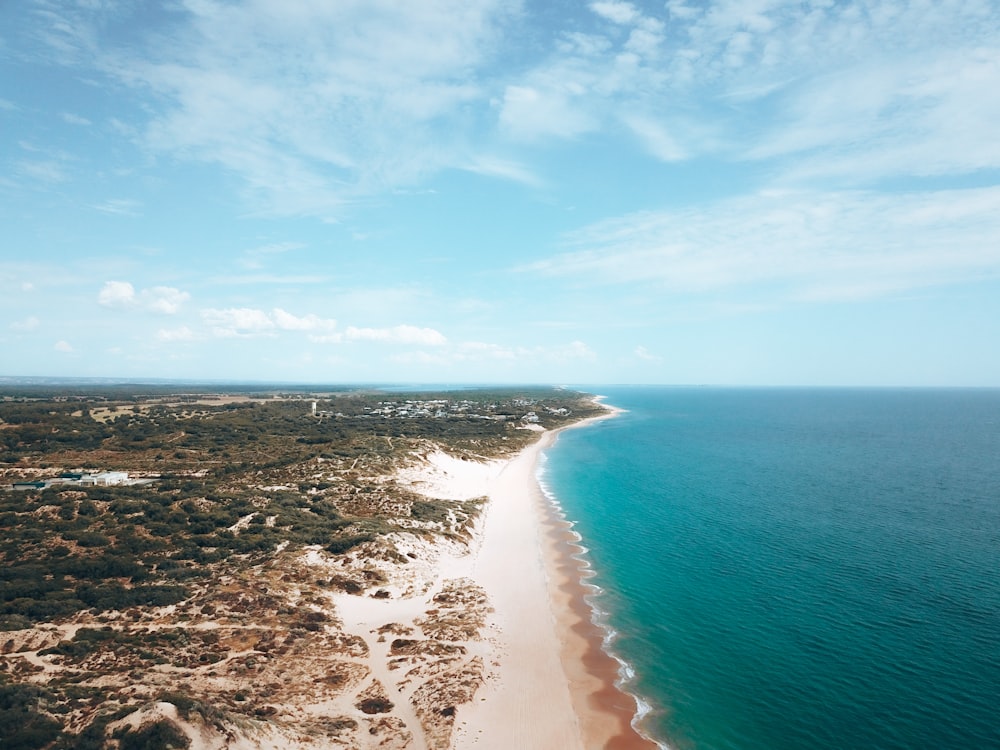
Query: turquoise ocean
796,568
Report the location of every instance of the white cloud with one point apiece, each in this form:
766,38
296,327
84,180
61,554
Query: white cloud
598,81
63,346
613,10
28,324
796,245
238,322
116,294
314,119
401,334
680,10
246,322
288,322
164,300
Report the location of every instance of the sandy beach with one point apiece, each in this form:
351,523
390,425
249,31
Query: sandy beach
478,642
463,624
545,681
554,685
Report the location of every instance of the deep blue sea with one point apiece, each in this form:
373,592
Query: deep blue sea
797,568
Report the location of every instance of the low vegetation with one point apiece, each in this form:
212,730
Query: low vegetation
102,587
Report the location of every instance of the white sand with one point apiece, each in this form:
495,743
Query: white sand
441,475
527,704
528,700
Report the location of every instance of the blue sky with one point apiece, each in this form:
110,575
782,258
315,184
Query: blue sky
753,192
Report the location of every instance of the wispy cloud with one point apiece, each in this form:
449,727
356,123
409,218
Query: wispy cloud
485,353
246,322
44,164
489,166
860,90
314,119
795,245
119,207
74,119
255,257
43,171
252,279
183,333
27,324
310,116
608,78
643,353
401,334
911,116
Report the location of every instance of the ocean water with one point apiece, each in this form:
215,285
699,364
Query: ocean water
797,568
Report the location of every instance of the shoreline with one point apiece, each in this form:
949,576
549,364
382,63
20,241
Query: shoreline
609,714
595,674
542,673
553,684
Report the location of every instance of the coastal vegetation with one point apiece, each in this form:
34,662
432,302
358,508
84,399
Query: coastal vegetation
182,587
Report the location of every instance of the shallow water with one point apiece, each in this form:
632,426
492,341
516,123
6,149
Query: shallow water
798,568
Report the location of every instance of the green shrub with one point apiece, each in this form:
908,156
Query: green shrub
163,735
22,725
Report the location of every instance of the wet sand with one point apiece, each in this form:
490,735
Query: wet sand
551,685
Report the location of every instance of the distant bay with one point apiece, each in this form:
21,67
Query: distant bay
798,568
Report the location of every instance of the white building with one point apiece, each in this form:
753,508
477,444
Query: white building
105,478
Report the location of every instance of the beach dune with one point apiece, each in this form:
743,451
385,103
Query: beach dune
533,674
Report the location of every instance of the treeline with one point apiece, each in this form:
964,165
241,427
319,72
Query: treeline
152,436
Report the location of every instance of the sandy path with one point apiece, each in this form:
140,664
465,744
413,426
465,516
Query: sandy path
362,616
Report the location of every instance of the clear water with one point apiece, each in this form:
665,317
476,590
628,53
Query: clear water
798,568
